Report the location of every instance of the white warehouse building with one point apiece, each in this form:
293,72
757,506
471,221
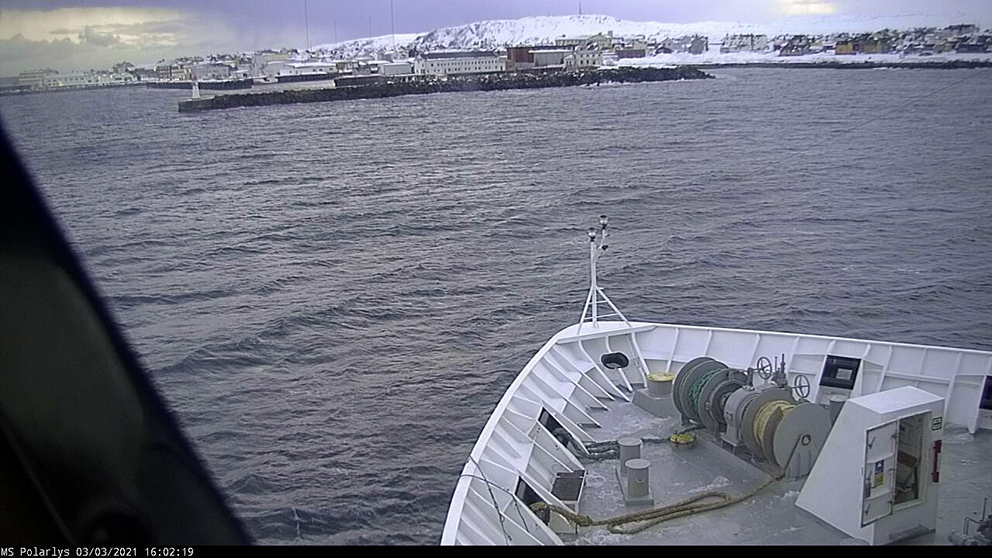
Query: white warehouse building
461,62
582,58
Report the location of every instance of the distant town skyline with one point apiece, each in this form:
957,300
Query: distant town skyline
85,34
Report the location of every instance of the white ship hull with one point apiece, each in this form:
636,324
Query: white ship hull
566,380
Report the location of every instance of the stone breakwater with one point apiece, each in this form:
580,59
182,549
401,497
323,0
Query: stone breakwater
488,82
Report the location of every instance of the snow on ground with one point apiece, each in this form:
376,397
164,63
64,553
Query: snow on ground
712,57
545,29
719,482
368,46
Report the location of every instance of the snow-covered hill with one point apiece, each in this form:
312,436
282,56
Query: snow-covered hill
545,29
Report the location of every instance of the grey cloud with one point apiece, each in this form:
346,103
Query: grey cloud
18,54
101,46
93,37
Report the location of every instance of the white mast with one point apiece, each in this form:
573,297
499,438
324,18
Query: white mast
596,295
306,19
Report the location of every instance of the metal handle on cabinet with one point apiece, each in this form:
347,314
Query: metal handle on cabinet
935,475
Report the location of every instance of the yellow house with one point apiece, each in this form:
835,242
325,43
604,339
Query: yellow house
844,47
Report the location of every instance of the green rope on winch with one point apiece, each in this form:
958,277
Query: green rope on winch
697,388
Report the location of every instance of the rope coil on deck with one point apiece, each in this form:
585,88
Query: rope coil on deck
599,451
649,518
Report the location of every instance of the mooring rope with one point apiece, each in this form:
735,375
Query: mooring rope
603,451
697,388
765,414
652,517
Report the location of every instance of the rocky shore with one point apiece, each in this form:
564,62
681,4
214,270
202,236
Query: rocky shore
487,82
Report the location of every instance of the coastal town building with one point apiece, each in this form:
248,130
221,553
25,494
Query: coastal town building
744,43
522,57
600,40
961,29
693,44
568,53
863,44
630,53
34,78
396,68
584,58
446,63
844,46
122,68
85,79
875,45
261,59
143,73
798,45
173,70
699,45
210,71
286,70
550,58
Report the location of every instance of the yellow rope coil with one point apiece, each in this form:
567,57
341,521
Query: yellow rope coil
765,414
638,521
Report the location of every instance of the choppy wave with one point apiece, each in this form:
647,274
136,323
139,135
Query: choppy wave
333,297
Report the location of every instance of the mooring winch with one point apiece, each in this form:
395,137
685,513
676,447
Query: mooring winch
773,421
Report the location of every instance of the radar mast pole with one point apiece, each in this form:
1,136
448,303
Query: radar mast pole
596,295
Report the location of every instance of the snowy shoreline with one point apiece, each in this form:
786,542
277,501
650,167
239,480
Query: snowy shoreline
756,59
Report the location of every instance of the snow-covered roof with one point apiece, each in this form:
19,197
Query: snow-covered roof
460,54
311,64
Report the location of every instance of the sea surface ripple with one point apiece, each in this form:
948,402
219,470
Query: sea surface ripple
333,297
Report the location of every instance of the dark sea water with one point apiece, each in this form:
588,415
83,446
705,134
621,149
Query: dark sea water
333,297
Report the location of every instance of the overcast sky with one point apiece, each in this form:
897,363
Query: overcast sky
68,35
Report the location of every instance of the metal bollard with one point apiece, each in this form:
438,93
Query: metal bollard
630,448
637,478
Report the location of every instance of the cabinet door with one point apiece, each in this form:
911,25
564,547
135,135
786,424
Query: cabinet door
879,472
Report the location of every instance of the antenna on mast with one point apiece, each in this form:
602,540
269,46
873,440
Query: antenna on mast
306,19
392,24
596,296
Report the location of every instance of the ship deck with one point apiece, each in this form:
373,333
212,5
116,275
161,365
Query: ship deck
771,516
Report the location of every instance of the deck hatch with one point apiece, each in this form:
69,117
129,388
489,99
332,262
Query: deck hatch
840,372
568,485
986,401
554,427
528,496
